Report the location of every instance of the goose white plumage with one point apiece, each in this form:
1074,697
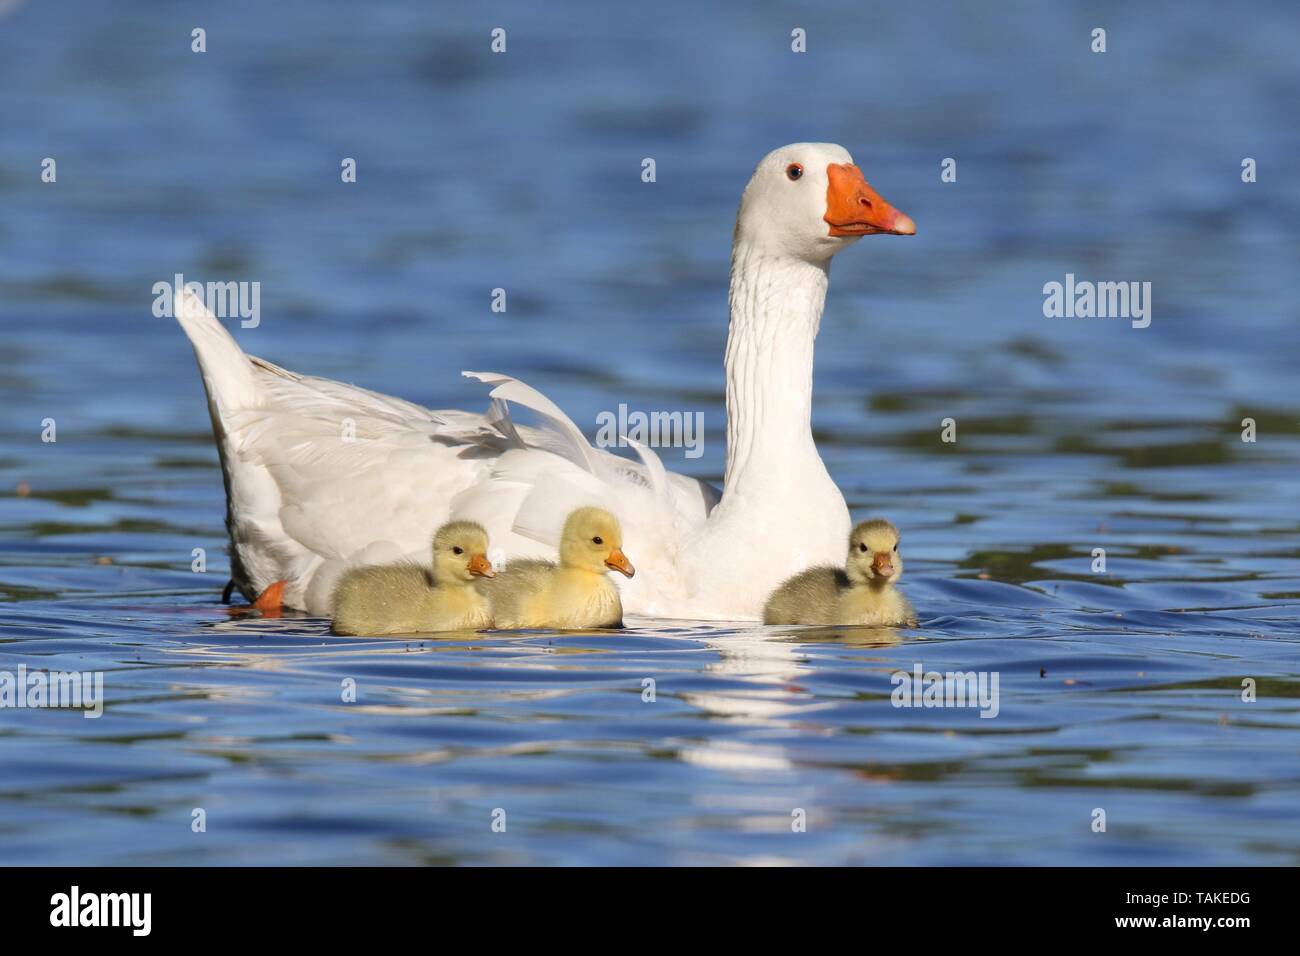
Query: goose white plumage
322,477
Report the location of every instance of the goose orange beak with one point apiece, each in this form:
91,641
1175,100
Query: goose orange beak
853,208
481,566
883,563
617,561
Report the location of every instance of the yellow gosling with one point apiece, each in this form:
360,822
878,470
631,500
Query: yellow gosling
409,598
575,594
862,592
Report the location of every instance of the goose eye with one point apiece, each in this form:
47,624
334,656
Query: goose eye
458,550
794,171
895,547
862,547
597,540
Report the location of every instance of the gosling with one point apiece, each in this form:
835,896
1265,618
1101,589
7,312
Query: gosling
575,594
862,592
409,598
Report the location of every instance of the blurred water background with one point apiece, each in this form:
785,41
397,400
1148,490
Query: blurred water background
522,170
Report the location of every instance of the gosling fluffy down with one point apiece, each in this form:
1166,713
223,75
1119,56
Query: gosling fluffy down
409,598
862,592
576,593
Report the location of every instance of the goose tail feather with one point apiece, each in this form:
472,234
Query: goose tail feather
226,370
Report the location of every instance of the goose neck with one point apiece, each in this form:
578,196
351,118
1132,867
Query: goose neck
776,306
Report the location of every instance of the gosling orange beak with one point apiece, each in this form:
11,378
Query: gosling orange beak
853,208
883,563
617,561
481,566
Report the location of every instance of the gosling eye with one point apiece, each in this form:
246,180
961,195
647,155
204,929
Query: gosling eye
458,550
794,171
597,540
862,547
895,547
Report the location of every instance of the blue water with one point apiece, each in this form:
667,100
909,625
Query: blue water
1119,691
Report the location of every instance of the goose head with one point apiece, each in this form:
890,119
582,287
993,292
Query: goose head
460,552
873,553
592,540
809,201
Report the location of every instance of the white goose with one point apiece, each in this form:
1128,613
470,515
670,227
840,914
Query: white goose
321,476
